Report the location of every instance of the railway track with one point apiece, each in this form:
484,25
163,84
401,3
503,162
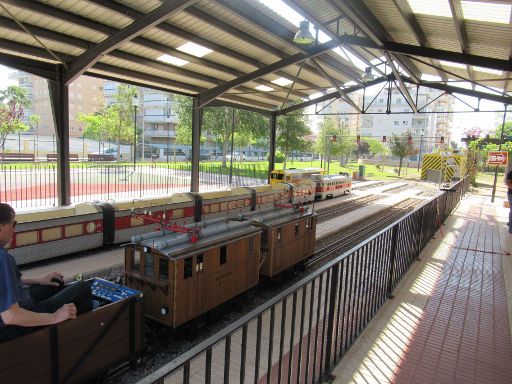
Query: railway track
358,232
343,208
166,345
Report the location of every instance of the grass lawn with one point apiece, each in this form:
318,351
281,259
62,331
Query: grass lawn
246,168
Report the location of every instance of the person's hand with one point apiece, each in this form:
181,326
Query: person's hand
53,278
67,311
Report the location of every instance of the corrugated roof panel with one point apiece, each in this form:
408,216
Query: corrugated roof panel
92,11
162,37
53,45
57,48
323,11
388,15
53,24
27,56
155,72
482,49
149,83
234,42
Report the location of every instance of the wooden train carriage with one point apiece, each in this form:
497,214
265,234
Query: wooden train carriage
76,350
53,232
270,194
286,241
184,281
180,208
231,202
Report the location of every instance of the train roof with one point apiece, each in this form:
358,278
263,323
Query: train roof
299,170
183,250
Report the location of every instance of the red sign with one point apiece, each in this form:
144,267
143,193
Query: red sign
497,158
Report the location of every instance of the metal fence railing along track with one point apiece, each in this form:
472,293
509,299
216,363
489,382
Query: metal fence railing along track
299,335
35,184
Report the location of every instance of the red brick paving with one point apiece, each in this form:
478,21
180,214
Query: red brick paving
464,333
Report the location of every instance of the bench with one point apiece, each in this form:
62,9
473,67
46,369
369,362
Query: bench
93,157
16,157
53,157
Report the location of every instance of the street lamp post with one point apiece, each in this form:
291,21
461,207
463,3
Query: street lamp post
421,147
135,102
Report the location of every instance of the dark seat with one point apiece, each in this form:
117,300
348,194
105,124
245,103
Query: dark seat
93,157
10,157
53,157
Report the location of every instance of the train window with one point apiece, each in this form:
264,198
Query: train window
187,271
296,229
264,237
199,263
223,254
251,246
278,234
307,224
135,261
310,223
277,176
149,264
163,268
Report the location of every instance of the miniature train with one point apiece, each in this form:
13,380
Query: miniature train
185,271
173,276
54,232
79,350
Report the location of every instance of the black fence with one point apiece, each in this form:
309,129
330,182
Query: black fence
300,335
35,184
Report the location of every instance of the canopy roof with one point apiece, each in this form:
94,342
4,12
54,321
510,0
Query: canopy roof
249,59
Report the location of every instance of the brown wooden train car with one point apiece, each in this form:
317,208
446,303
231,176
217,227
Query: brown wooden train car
286,241
182,280
78,350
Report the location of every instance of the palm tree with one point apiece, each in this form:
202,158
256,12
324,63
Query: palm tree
13,100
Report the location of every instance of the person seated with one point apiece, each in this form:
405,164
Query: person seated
26,303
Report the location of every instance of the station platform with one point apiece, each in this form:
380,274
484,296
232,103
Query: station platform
450,320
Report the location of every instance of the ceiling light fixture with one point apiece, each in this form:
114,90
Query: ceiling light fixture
303,35
367,75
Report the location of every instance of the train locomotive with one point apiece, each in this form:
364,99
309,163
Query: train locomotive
186,271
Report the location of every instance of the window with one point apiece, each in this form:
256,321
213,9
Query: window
396,122
297,229
223,254
404,122
199,263
163,268
135,261
187,271
278,234
251,245
149,264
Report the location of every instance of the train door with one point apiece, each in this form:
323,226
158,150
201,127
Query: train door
201,286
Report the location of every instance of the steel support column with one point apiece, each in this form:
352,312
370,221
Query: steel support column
196,143
60,109
272,145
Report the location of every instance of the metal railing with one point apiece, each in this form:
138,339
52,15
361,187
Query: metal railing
298,336
35,185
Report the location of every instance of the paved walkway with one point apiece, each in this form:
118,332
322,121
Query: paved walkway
450,320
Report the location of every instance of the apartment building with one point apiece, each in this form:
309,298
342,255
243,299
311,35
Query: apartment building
85,96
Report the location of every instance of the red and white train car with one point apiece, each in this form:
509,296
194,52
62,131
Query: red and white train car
329,186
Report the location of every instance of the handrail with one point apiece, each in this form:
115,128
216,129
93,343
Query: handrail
207,345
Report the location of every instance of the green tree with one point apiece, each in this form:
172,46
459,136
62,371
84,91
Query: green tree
120,118
344,145
114,122
400,147
14,100
291,132
98,125
217,125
